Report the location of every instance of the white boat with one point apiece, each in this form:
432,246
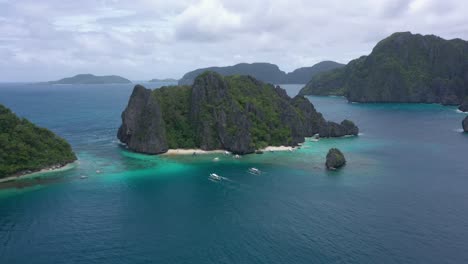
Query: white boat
255,171
216,159
315,138
215,176
237,156
227,153
83,177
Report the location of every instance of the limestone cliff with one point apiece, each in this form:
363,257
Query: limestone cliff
236,113
405,68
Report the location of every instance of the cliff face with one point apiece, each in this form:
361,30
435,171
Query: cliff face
218,121
236,113
401,68
143,128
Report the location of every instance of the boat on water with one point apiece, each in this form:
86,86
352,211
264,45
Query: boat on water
215,176
315,138
237,156
83,177
254,171
216,159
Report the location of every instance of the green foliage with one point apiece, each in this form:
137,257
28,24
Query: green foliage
175,105
263,105
24,146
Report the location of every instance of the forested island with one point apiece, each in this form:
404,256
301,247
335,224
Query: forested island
91,79
25,147
236,113
406,68
266,72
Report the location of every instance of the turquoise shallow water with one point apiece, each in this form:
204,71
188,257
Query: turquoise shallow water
402,198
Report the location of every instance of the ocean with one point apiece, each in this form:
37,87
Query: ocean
401,198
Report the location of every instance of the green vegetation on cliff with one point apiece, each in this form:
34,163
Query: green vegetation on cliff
404,67
24,146
235,113
175,106
267,128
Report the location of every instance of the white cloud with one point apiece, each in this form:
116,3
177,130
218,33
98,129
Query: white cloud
158,38
205,21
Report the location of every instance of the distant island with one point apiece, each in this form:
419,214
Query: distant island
406,68
235,113
163,80
25,148
266,72
91,79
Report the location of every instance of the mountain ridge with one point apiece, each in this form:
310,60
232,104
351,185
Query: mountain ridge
266,72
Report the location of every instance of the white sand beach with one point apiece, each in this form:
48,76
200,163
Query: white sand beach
41,172
191,151
278,148
221,151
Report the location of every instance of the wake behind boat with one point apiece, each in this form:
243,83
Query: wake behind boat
215,177
254,171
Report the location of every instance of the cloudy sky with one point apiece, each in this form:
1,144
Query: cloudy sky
140,39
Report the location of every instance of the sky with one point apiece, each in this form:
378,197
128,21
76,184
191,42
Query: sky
43,40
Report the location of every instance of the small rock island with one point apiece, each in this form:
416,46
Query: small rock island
335,159
236,113
91,79
465,125
464,105
25,148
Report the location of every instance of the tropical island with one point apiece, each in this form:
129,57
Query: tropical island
266,72
91,79
404,68
26,148
236,113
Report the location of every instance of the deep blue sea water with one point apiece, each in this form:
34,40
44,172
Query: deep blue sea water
402,198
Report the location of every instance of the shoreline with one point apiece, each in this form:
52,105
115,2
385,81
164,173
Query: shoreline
34,174
172,152
192,151
279,148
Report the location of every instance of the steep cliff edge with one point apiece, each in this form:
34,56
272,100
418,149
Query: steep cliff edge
236,113
142,126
